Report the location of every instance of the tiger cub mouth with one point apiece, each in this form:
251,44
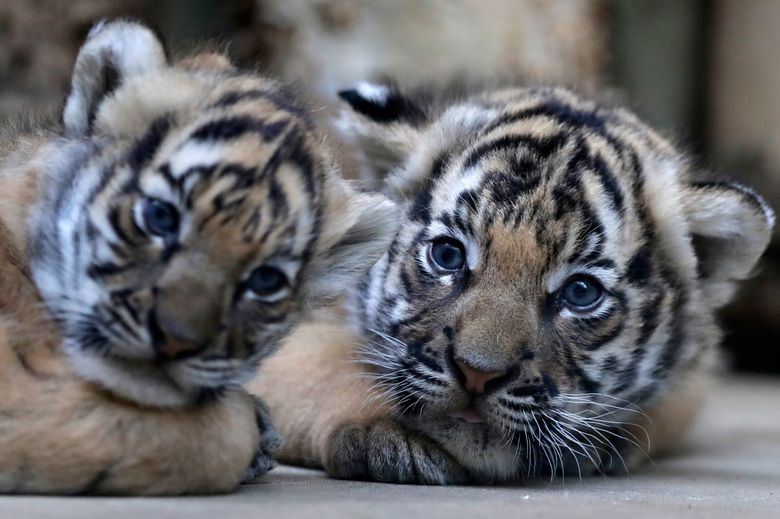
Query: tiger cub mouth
468,414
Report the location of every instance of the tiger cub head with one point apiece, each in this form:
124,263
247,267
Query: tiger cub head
557,270
192,214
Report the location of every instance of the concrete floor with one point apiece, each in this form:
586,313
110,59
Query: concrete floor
730,468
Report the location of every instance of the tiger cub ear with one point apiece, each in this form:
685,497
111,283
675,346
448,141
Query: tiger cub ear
357,231
113,52
384,125
730,228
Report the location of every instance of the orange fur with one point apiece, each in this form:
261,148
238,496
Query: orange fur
331,389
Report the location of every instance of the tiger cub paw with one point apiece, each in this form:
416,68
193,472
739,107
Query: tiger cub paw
386,451
270,444
619,458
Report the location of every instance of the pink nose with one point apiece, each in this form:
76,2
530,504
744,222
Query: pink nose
475,379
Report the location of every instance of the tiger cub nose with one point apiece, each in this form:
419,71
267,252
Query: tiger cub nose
167,342
175,348
474,380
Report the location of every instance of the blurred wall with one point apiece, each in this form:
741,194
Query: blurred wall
744,129
744,140
330,44
38,43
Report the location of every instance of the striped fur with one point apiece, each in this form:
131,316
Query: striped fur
170,322
541,187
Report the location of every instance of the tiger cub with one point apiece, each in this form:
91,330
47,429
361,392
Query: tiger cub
155,248
547,306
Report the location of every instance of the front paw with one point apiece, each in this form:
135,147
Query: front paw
386,451
270,444
619,457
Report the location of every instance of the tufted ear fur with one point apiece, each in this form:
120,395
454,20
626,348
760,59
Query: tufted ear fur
113,52
358,229
730,227
383,124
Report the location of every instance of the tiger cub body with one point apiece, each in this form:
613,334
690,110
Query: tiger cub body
156,247
547,306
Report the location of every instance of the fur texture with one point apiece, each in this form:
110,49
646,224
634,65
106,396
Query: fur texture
546,307
156,248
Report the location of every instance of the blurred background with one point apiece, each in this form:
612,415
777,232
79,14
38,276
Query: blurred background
704,72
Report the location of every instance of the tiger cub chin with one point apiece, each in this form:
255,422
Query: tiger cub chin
547,306
155,247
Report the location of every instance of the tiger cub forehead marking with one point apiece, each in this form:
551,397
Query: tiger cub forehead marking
546,168
245,171
249,189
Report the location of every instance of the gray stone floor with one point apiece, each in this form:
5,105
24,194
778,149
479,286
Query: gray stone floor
730,468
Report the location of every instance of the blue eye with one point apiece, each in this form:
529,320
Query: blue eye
160,218
267,281
582,293
448,254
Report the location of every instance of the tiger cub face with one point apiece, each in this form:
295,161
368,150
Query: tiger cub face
557,271
192,214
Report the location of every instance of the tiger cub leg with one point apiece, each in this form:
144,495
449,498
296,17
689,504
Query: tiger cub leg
60,435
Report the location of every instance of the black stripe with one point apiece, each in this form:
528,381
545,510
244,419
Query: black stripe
587,383
118,318
279,100
640,267
584,159
674,344
164,171
604,263
619,311
594,120
415,350
553,109
244,176
89,337
144,150
121,297
107,175
234,127
409,321
97,270
649,316
543,147
505,189
593,224
115,218
252,224
420,209
609,182
518,406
